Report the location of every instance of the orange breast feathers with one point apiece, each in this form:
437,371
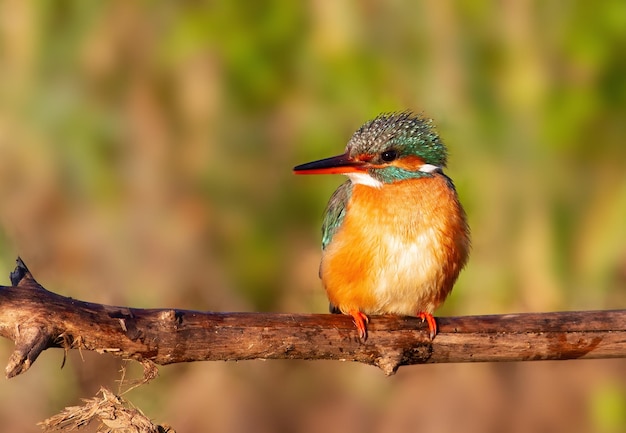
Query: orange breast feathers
399,249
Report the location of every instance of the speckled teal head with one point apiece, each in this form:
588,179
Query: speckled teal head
390,148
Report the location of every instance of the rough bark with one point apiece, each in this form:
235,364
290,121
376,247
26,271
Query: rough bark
37,319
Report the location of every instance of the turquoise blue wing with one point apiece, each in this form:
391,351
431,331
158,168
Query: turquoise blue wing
335,212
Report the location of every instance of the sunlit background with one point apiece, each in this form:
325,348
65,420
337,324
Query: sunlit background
145,160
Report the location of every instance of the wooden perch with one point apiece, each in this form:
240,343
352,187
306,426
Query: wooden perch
36,319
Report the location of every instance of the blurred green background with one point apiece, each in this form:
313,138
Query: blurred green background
145,160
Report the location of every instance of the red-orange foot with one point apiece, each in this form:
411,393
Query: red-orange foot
361,321
432,325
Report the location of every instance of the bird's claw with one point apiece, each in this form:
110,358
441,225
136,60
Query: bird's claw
360,320
430,320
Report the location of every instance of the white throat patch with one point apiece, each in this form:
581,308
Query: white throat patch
364,179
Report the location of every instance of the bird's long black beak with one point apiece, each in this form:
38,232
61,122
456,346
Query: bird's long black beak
339,164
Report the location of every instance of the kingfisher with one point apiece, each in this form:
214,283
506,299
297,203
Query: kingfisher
395,235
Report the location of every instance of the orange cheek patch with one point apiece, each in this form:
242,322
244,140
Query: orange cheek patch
410,163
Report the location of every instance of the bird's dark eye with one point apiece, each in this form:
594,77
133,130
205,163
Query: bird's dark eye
388,155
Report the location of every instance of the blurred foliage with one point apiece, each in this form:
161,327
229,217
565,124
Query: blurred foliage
609,408
145,159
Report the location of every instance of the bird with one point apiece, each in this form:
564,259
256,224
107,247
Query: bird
394,235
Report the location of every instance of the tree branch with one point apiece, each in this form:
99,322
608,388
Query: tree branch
37,319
